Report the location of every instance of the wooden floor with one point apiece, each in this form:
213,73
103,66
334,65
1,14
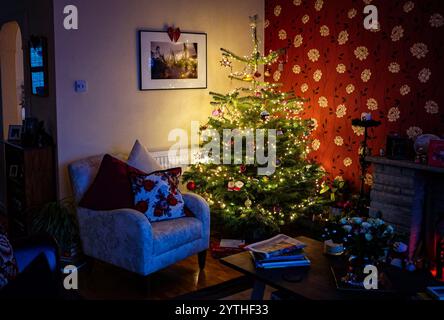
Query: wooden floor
107,282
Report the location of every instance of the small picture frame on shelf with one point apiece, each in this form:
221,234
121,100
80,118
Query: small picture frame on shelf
15,133
13,171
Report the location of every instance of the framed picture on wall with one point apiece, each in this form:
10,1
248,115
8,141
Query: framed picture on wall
15,133
167,64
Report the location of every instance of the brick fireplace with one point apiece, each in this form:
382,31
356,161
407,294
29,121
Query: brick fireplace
409,196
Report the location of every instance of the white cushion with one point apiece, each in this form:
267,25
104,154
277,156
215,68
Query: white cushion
141,159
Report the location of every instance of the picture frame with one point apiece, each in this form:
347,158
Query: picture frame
13,171
168,65
15,133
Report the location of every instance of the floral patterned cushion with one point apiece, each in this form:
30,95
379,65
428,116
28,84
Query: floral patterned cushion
157,195
8,264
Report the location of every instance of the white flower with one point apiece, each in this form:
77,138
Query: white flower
343,37
432,107
419,50
282,34
304,87
277,75
323,102
325,31
394,67
347,228
368,179
317,75
319,4
357,220
408,6
366,225
372,104
359,131
350,89
341,111
397,33
393,114
348,162
413,132
297,2
436,20
296,69
277,10
339,141
366,75
404,90
361,53
316,144
313,55
368,237
424,75
305,19
298,39
352,13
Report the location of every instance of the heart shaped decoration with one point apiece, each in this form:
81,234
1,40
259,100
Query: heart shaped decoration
174,34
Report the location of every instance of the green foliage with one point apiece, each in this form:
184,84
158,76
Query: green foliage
59,220
261,204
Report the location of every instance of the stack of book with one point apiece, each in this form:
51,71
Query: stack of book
280,251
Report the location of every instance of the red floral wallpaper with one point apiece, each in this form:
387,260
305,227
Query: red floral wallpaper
394,72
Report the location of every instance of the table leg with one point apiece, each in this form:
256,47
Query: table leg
258,290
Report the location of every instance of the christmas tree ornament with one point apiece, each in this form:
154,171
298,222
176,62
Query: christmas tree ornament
239,184
231,186
248,78
278,163
225,62
280,133
217,113
265,115
242,168
267,72
248,203
191,186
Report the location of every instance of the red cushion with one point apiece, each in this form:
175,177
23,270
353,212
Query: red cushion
111,188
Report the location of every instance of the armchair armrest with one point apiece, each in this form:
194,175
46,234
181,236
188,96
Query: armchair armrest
122,237
199,207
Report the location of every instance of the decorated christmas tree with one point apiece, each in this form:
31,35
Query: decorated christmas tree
245,201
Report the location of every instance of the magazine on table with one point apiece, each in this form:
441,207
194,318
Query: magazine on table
276,246
278,262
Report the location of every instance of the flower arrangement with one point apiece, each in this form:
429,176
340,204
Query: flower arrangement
365,238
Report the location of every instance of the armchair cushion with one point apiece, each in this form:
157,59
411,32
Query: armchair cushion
157,195
111,188
169,235
141,159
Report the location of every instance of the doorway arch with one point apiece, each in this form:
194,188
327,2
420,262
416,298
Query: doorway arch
12,75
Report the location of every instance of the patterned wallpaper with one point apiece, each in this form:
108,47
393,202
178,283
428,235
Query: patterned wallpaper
394,72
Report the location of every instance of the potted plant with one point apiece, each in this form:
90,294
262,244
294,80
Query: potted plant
58,219
366,241
334,194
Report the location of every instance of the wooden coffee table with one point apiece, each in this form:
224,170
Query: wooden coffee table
317,282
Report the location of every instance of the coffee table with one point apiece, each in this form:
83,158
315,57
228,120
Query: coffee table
317,282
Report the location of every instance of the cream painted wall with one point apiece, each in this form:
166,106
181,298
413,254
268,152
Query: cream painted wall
113,113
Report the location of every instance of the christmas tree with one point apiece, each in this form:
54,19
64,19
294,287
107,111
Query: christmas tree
243,202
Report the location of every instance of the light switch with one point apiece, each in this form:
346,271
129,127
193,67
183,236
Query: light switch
81,86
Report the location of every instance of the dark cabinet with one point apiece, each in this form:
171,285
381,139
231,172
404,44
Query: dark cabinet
30,183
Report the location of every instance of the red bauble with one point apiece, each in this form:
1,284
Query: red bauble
243,168
191,186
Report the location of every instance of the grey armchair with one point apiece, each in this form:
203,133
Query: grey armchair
126,238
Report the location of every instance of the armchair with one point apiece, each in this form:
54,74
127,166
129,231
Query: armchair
126,238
